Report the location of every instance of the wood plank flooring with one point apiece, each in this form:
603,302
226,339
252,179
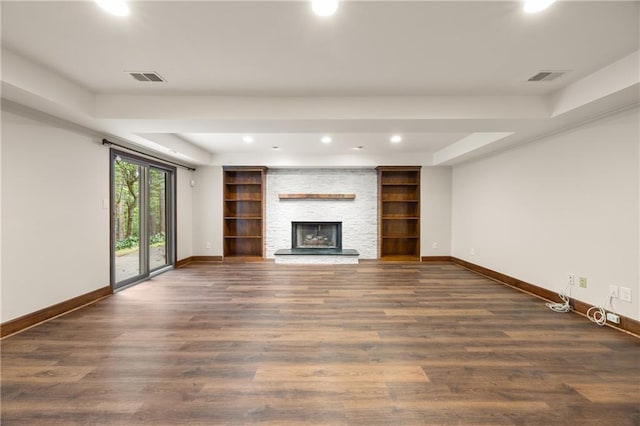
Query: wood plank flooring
395,343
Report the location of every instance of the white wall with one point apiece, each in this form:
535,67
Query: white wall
184,214
564,204
358,217
207,211
55,230
435,214
55,240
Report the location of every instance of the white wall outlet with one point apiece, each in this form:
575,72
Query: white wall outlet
572,279
207,245
611,317
473,252
105,204
583,282
613,291
625,294
435,246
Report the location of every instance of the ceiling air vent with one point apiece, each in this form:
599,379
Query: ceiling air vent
146,76
547,75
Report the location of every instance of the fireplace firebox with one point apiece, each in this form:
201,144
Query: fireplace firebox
316,235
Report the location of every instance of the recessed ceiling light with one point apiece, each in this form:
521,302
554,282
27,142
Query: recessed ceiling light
358,148
535,6
114,7
326,139
275,147
396,139
247,139
324,7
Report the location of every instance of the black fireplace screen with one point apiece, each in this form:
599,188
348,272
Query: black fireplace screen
316,235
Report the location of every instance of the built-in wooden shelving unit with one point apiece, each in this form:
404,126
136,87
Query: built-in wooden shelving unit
399,212
244,211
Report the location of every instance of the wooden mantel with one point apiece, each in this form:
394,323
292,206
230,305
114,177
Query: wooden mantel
317,196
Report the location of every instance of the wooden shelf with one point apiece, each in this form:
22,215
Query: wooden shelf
242,183
243,217
399,258
244,175
243,211
399,213
317,196
400,184
399,218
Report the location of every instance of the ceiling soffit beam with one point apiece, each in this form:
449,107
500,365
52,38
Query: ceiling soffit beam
173,144
352,159
613,78
39,88
146,126
611,81
37,81
330,108
467,145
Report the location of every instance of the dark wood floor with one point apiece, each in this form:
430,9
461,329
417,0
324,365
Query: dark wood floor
286,344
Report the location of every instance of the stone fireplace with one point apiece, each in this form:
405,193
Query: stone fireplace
316,235
359,216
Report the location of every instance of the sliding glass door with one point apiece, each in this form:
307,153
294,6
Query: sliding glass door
127,182
143,218
158,206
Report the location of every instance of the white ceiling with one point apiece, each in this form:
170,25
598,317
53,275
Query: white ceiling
435,72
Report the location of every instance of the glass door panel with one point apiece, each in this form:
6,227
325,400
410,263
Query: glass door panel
143,218
127,184
158,214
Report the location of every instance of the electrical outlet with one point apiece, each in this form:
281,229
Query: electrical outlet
207,245
625,294
611,317
435,246
572,279
613,291
473,252
583,282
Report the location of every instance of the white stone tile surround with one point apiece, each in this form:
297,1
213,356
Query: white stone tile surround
358,217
